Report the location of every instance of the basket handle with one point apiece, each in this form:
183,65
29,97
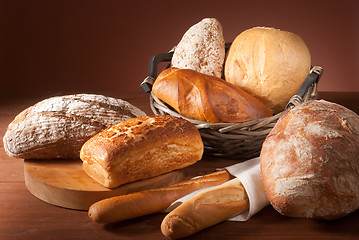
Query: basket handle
146,85
311,79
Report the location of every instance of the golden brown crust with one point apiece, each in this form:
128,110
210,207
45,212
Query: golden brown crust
207,98
206,209
150,201
309,161
141,148
268,63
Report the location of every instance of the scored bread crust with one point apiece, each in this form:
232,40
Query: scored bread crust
309,161
141,148
146,202
206,209
207,98
57,127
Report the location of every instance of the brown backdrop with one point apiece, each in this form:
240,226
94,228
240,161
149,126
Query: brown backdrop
58,47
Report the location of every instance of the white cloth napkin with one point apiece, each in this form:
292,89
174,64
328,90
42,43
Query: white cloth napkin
248,173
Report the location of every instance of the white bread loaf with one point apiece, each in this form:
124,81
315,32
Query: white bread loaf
141,148
202,48
268,63
309,161
57,127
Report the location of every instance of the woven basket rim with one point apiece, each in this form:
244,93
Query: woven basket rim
241,140
159,107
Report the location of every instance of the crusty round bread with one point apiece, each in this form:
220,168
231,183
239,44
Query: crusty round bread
310,161
268,63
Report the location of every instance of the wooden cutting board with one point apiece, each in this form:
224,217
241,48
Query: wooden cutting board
64,183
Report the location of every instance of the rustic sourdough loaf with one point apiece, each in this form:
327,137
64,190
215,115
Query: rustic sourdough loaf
310,161
57,127
141,148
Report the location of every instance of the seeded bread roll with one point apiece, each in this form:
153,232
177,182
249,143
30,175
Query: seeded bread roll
141,148
202,48
309,161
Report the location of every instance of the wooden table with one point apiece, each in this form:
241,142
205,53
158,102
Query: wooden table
23,216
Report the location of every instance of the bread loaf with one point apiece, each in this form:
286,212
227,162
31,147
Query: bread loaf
206,209
202,48
206,98
138,204
309,161
57,127
141,148
268,63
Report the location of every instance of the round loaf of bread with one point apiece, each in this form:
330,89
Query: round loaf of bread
310,161
268,63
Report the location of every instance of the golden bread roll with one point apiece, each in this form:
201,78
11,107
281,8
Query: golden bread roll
141,148
268,63
309,161
206,209
207,98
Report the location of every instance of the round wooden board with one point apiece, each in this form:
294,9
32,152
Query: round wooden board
64,183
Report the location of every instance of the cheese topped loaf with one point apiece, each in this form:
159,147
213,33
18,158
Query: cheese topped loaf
141,148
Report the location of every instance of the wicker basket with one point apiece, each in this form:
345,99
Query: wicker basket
231,140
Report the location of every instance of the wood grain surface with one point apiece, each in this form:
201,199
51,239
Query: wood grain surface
24,216
64,183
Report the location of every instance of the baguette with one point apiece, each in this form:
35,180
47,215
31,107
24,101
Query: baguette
206,209
138,204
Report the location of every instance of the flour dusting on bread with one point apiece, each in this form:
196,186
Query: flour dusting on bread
202,48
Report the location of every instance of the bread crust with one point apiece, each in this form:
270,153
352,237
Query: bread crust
57,127
141,148
202,48
309,161
206,209
270,64
151,201
207,98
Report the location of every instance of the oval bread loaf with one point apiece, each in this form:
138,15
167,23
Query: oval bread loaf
57,127
309,161
141,148
202,48
207,98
